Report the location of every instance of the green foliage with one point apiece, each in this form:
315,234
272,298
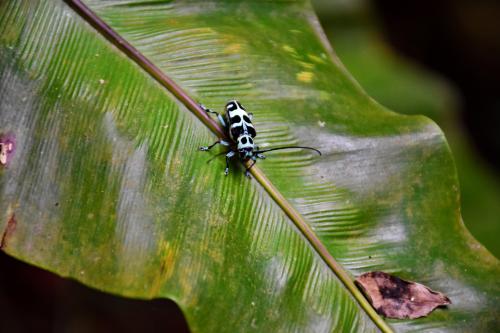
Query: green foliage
106,185
406,88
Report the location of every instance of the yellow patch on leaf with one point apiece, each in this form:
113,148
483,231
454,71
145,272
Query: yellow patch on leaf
289,49
305,76
233,48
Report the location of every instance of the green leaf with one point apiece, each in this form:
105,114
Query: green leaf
106,184
354,32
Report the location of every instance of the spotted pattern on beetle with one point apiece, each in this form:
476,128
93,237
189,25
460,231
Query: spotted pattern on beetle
239,122
240,129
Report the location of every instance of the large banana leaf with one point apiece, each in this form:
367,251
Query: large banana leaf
106,186
356,36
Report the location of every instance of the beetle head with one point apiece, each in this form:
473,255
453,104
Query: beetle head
245,146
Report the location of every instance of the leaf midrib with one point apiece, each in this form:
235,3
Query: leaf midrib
112,36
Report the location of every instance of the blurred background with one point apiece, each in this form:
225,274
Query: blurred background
440,59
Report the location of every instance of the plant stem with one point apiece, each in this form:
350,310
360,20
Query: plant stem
93,19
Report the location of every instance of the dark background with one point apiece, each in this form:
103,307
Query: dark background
439,59
34,300
460,40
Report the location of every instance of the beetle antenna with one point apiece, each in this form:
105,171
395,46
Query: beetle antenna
288,147
215,156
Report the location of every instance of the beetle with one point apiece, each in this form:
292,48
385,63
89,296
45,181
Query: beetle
239,127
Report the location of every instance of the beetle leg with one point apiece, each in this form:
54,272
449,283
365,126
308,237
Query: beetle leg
247,170
221,118
228,156
207,148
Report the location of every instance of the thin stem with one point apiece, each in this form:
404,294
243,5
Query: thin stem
319,247
192,105
145,63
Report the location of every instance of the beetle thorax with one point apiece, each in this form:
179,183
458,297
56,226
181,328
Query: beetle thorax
239,121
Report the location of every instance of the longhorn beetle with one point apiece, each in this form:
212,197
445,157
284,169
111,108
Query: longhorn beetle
238,124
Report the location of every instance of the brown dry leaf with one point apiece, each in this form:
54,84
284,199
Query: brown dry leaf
393,297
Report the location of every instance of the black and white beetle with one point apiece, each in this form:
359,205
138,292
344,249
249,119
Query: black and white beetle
238,124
